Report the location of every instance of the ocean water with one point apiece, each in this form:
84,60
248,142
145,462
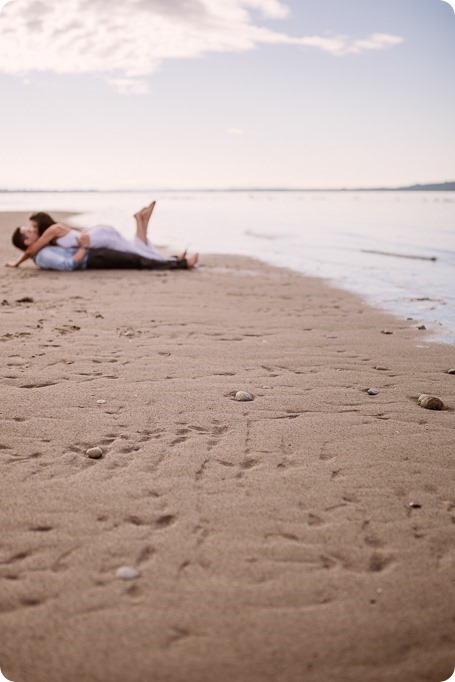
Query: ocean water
325,234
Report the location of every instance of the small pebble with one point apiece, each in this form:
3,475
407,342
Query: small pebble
381,369
451,371
421,326
373,391
386,331
127,573
94,453
267,387
430,402
101,402
415,505
243,396
25,299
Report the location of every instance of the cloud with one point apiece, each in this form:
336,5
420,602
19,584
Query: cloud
236,131
451,3
128,42
3,3
377,41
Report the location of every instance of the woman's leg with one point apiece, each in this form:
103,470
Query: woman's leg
146,215
141,230
141,245
142,218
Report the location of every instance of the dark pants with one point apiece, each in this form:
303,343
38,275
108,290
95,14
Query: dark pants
107,259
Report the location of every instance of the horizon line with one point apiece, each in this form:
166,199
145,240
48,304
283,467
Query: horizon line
448,185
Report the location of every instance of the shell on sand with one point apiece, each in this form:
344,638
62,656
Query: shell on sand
127,573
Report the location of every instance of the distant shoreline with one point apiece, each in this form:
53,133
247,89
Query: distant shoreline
435,187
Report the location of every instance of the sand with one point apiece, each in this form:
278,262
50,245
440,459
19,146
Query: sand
275,539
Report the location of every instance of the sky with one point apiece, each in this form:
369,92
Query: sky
154,94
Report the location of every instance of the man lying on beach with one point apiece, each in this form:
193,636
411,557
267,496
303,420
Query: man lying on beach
54,246
58,258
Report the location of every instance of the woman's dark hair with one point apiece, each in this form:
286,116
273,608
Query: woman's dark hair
18,239
43,221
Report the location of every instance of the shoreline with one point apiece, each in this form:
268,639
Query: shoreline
307,534
393,284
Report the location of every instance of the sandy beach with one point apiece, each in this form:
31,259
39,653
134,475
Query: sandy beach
306,535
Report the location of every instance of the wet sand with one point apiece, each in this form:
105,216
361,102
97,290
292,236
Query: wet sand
275,539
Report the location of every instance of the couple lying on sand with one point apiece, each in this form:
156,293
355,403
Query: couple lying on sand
54,246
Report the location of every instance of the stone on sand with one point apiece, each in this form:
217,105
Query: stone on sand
430,402
94,453
243,396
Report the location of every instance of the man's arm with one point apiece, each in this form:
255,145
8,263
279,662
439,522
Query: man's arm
52,232
57,258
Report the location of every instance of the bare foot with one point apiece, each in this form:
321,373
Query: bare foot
191,261
147,211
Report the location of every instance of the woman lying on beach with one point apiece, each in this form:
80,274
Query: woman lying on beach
44,231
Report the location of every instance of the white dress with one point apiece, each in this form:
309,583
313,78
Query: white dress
107,237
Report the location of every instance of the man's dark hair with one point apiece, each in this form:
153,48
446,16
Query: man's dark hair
18,239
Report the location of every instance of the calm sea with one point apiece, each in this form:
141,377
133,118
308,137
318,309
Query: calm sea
327,234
